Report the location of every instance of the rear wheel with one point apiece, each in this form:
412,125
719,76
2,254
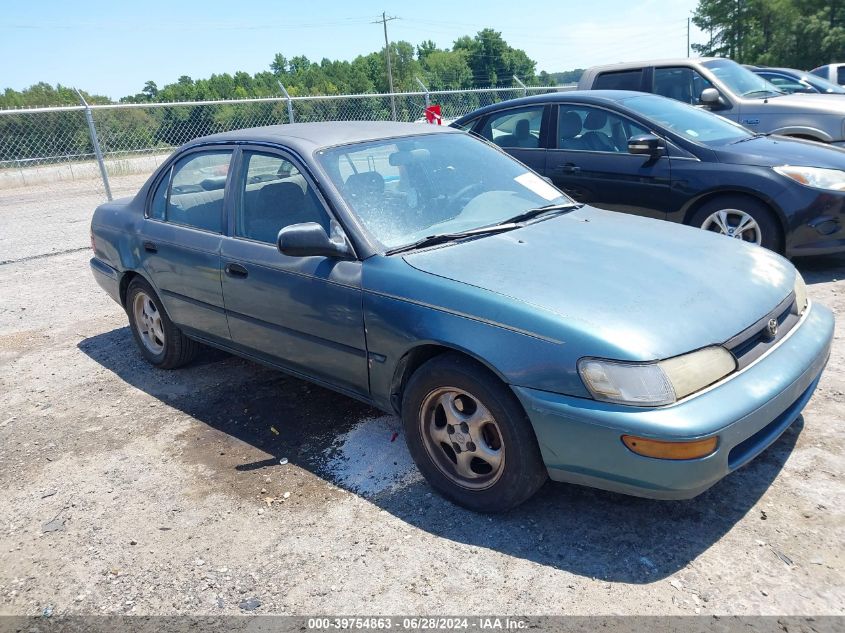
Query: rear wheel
158,339
742,218
469,436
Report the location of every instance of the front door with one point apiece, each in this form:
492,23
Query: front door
181,238
303,313
591,163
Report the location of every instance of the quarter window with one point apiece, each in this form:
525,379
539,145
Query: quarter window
273,195
594,130
192,192
515,128
681,84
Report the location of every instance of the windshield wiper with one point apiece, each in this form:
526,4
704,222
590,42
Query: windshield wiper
750,138
530,214
442,238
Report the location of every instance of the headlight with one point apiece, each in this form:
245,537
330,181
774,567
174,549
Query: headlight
655,384
800,293
831,179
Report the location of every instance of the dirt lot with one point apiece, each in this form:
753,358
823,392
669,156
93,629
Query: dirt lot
131,490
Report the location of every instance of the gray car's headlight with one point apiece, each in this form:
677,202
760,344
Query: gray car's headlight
830,179
800,293
658,383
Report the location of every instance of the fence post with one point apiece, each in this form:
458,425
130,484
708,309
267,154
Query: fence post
425,90
521,85
92,131
290,103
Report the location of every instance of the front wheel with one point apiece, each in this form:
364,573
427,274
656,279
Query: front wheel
469,436
741,218
158,339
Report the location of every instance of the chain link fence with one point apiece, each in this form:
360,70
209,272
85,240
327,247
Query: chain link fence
48,147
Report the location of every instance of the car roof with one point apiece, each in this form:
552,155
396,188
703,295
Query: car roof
307,137
671,61
579,96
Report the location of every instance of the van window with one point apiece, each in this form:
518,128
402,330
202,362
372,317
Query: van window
621,80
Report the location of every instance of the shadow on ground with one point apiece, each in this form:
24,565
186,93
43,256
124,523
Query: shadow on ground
584,531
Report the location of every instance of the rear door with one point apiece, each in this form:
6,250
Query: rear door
591,163
181,238
304,313
521,131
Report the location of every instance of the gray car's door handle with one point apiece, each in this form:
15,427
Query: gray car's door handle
236,270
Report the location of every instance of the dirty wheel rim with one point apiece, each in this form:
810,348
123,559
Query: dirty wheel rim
462,438
734,223
148,322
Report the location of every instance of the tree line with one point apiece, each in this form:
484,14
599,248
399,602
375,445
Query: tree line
800,34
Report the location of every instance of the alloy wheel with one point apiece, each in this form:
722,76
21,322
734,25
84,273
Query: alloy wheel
148,321
462,438
734,223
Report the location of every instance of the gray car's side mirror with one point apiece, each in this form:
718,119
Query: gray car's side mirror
645,144
309,239
711,98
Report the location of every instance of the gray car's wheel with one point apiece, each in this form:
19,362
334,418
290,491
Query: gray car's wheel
469,436
742,218
158,339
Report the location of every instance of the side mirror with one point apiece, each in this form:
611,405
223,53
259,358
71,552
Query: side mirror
710,97
309,239
646,144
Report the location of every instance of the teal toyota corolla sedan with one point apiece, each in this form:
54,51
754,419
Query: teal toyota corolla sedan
519,335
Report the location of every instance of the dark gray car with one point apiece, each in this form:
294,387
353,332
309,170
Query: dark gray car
728,89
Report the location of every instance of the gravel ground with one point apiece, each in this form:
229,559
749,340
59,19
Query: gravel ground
135,491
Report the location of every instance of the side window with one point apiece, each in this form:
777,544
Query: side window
594,130
191,194
515,128
785,83
273,195
621,80
840,75
681,84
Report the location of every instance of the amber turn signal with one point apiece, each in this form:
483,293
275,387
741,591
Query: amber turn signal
671,450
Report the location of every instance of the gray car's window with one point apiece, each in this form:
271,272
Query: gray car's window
192,193
840,75
413,187
620,80
594,129
515,128
687,121
741,81
273,195
680,83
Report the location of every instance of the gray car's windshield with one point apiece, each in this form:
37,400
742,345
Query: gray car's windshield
413,187
741,81
688,121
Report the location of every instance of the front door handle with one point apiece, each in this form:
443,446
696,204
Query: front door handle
236,270
568,168
150,247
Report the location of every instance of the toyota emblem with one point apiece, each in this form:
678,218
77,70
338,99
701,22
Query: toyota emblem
772,328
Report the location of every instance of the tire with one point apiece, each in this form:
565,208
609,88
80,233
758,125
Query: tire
158,339
482,454
729,213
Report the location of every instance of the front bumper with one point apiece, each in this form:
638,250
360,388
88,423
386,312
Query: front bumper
819,227
580,439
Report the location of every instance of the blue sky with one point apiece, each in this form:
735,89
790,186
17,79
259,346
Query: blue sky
113,47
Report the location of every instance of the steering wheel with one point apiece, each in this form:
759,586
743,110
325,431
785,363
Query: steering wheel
464,195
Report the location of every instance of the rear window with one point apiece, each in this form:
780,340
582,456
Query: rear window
622,80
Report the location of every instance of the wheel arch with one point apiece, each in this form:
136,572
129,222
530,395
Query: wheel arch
421,353
696,203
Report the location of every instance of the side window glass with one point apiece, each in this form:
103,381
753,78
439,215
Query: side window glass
681,84
840,75
273,195
195,192
515,128
159,201
622,80
594,130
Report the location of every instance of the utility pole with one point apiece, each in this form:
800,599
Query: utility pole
384,20
687,37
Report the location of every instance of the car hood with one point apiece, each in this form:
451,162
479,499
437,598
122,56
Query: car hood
649,289
769,151
797,102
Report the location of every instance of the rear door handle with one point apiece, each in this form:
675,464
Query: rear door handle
236,270
150,247
568,168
